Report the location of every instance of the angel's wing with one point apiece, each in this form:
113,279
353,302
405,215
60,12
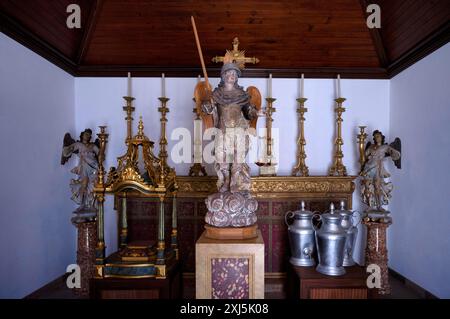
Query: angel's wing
67,141
367,145
397,145
201,93
255,100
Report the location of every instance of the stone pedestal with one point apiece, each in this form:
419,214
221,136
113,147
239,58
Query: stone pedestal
87,240
225,233
269,170
229,269
376,251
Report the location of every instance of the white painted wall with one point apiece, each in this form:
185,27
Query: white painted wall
419,239
37,240
98,101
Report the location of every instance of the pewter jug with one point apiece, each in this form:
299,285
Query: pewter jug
352,233
301,237
330,241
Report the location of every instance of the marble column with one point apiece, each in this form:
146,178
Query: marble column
376,251
86,243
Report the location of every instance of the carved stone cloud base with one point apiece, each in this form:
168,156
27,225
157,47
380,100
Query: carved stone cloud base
228,209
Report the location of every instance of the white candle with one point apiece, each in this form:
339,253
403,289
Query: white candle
198,135
270,85
163,85
129,85
302,86
262,145
338,86
198,141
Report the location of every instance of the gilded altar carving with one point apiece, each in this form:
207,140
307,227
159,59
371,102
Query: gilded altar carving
236,56
156,180
192,185
276,184
157,175
281,186
131,174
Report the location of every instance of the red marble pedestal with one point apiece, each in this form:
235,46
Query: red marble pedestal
229,269
87,240
376,251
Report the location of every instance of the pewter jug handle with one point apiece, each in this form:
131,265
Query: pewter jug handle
359,214
316,213
286,217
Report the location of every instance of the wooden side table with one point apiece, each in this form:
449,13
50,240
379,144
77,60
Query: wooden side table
307,283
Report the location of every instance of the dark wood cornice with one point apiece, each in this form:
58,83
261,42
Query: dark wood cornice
91,24
376,37
16,31
433,42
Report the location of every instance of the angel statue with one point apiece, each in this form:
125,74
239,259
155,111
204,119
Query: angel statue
232,111
83,187
375,189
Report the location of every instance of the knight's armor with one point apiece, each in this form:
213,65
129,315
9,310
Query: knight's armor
231,112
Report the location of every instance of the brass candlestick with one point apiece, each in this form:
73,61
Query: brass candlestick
129,109
197,169
163,170
267,167
163,109
301,169
103,137
338,168
100,197
361,146
270,110
161,246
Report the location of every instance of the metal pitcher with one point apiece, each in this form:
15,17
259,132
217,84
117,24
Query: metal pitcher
301,237
330,241
352,233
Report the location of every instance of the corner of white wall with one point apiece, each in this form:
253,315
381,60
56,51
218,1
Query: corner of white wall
37,239
419,240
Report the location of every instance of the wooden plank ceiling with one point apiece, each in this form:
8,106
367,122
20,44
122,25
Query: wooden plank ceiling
318,37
